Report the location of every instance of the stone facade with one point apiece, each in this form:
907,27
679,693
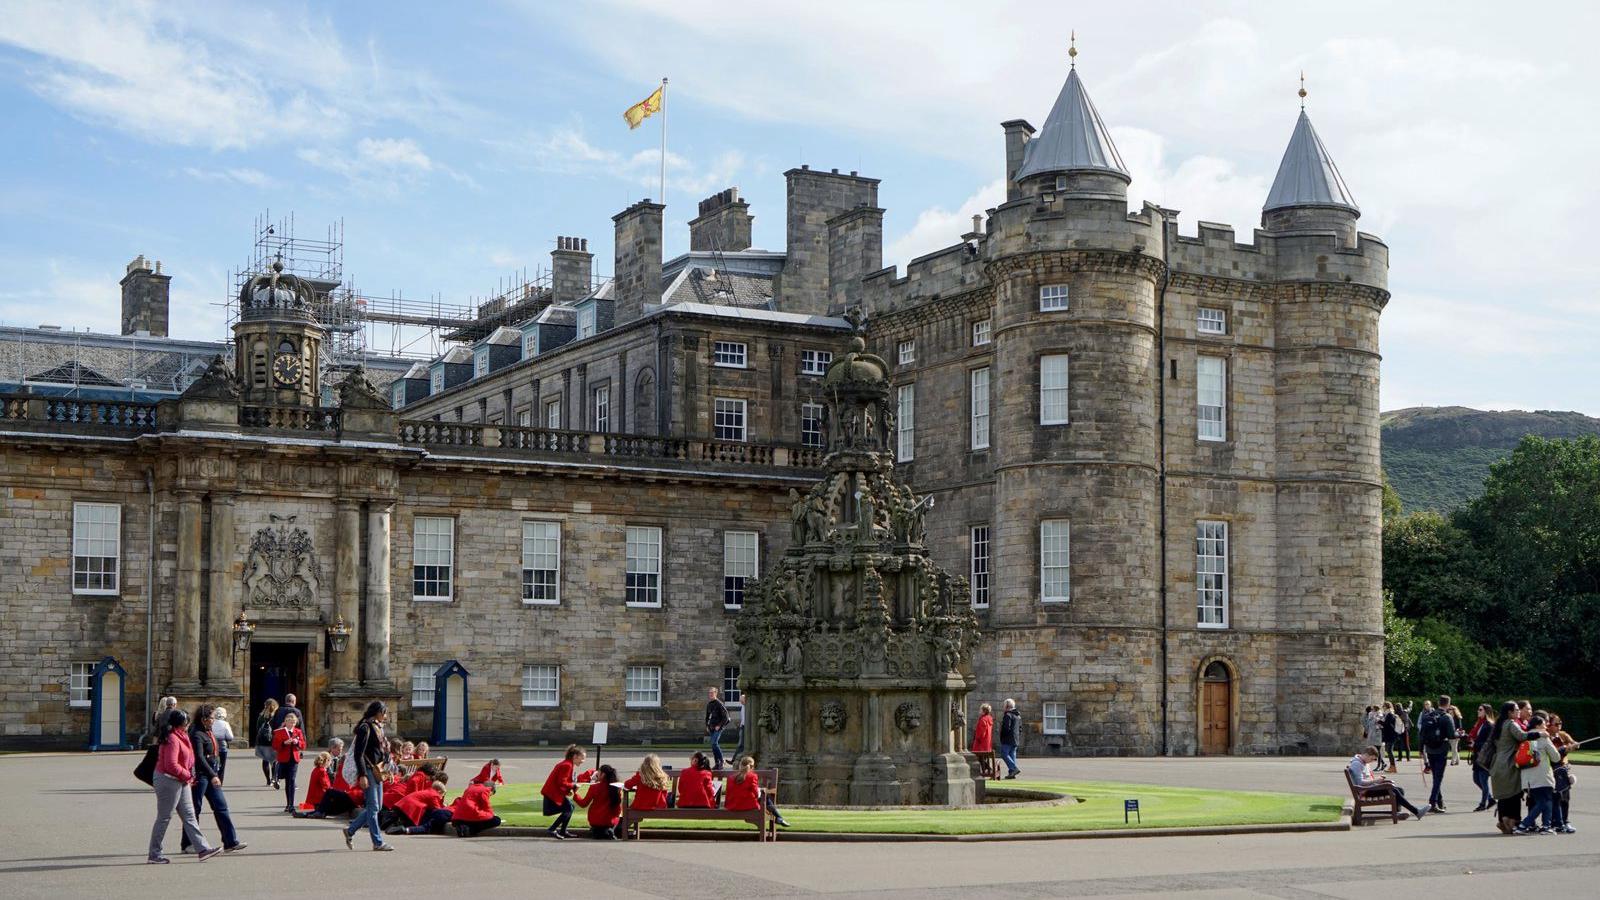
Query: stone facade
1117,471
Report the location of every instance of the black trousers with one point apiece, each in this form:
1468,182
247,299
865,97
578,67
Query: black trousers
473,829
286,772
1405,804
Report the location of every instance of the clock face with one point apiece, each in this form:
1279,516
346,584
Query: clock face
286,369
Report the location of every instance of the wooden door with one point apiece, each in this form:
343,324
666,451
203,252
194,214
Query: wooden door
1216,717
455,721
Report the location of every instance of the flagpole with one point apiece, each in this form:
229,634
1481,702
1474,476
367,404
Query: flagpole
663,200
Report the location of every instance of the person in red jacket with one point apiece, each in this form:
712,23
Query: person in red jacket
287,742
472,812
744,791
983,740
414,809
489,772
319,781
604,802
174,771
558,789
694,785
650,784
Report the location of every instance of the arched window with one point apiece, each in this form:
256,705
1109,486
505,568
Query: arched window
644,402
1217,671
286,346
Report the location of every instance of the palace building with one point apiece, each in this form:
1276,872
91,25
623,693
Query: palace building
1153,455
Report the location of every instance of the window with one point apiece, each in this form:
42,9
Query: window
979,403
642,686
541,685
741,562
811,430
815,362
1052,298
905,423
422,685
1212,321
585,321
530,344
1211,385
1055,717
541,562
1055,560
525,417
436,380
730,685
728,424
643,587
980,566
480,363
980,332
552,414
80,684
906,352
729,354
602,408
399,395
1211,572
433,556
1053,390
96,548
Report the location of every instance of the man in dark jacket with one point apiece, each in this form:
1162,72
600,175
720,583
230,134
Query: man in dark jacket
1010,737
716,720
208,777
1438,732
284,711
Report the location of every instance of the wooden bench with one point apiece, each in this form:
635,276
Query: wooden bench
414,764
766,825
1375,801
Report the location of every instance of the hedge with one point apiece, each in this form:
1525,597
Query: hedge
1580,716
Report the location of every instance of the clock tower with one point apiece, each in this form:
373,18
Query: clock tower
277,341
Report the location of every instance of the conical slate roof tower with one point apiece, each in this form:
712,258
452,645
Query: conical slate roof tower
1307,175
1073,139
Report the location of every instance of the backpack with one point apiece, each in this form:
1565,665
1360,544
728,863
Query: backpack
1527,755
264,736
1435,729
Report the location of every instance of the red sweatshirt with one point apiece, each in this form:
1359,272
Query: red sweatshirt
644,796
484,776
472,806
983,735
319,786
288,742
394,792
742,794
602,812
559,784
416,804
694,789
177,757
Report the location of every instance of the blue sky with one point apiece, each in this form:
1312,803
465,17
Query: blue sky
457,140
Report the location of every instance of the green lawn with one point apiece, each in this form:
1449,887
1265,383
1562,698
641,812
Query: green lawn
1163,807
1585,757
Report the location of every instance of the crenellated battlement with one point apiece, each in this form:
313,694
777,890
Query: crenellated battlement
1273,256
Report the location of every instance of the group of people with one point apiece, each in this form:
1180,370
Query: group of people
1518,755
652,788
1010,735
190,755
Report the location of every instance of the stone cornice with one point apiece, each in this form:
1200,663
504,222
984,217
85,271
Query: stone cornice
1117,262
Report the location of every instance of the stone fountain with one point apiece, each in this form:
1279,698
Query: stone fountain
855,647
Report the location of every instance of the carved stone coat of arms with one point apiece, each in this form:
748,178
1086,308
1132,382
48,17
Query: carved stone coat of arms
281,571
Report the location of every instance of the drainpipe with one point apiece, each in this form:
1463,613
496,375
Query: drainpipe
149,601
1161,466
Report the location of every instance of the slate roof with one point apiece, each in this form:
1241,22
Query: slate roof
1073,138
1307,175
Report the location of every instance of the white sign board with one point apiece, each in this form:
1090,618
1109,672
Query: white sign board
600,729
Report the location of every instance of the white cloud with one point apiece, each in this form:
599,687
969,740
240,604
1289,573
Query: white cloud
567,150
246,176
380,166
937,227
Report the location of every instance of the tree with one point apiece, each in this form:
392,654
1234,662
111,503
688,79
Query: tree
1403,651
1391,500
1433,568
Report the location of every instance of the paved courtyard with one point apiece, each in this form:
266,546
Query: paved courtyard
77,827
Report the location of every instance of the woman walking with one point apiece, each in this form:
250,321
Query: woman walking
223,732
208,778
263,741
1482,757
1389,730
371,751
1505,779
174,773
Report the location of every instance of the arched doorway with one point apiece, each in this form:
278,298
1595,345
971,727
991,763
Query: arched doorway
1216,709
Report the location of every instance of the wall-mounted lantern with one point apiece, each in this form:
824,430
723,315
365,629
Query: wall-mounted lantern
338,635
243,630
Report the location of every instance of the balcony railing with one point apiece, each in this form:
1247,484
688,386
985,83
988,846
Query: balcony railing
109,415
620,449
289,418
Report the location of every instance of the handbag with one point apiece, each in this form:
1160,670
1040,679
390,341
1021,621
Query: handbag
145,771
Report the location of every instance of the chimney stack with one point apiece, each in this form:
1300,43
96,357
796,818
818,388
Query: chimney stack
1018,133
723,223
571,269
855,250
636,274
816,197
145,298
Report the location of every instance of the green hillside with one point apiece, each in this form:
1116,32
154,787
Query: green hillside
1436,457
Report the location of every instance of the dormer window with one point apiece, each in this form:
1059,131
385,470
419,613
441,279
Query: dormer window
586,321
1061,182
480,362
436,381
